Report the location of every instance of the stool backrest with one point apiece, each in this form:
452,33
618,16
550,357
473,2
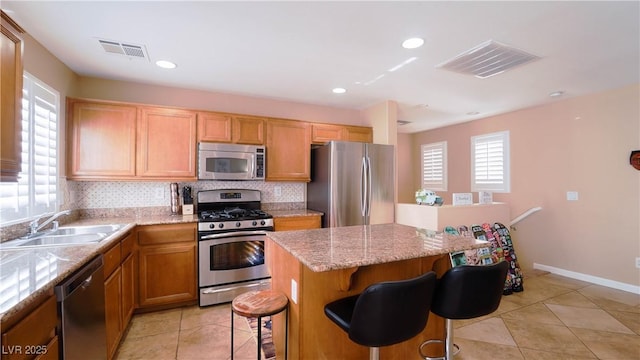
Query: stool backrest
469,291
393,311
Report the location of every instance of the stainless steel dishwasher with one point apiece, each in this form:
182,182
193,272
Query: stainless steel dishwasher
82,318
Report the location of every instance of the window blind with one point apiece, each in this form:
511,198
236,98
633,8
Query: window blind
35,193
490,162
434,166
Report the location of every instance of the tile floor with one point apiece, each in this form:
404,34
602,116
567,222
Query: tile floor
554,318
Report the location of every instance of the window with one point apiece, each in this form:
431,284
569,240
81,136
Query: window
490,162
36,191
434,166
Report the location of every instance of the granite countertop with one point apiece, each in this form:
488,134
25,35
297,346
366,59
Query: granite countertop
28,274
352,246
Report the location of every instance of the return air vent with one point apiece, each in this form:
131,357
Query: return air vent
129,50
488,59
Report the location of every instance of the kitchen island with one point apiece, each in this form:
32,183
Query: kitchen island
315,267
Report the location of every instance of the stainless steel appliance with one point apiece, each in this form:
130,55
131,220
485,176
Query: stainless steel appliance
230,162
352,183
231,235
81,305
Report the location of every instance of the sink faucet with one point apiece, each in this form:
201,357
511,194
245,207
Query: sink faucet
34,227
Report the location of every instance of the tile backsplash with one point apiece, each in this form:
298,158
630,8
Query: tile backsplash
123,194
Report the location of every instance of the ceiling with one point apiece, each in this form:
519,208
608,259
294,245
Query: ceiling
299,51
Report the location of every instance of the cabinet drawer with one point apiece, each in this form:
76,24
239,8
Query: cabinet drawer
37,328
126,246
296,223
50,352
163,234
111,260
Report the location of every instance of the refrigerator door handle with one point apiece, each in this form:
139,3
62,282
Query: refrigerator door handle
363,187
369,186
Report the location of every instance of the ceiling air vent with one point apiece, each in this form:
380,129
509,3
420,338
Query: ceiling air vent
129,50
488,59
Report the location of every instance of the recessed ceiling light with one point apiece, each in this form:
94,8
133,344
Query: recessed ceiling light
556,94
339,90
412,43
165,64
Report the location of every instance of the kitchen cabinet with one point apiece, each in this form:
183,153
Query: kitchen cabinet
322,133
248,130
101,140
167,265
119,288
166,143
288,156
11,90
296,223
214,127
34,335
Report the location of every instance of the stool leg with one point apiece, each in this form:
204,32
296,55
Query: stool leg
374,353
259,335
231,334
448,346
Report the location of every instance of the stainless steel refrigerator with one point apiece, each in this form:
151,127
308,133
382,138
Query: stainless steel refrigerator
352,183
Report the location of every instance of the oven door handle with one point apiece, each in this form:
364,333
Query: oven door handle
233,234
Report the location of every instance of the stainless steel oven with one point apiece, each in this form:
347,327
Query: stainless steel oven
231,241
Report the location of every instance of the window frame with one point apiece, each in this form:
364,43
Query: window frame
441,185
502,185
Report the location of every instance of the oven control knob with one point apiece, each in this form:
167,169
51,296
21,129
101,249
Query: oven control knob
254,223
211,226
221,225
262,222
238,224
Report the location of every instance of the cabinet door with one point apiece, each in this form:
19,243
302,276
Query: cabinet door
128,289
288,150
101,140
322,133
36,330
214,127
11,90
113,310
248,130
358,134
296,223
167,274
166,141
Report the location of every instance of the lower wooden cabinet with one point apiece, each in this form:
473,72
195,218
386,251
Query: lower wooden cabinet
34,336
296,223
119,289
167,265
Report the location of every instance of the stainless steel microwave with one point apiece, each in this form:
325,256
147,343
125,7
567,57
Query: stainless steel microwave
230,162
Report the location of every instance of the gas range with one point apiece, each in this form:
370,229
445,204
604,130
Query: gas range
231,210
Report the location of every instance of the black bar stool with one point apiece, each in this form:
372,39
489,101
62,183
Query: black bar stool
258,304
385,313
466,292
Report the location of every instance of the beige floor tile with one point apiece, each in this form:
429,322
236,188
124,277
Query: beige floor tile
533,313
595,319
209,342
610,346
153,347
612,299
490,330
557,280
537,336
629,319
196,316
155,323
573,298
530,354
479,350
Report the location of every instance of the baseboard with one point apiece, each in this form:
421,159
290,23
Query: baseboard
589,278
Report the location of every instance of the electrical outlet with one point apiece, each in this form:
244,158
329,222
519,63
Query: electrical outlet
277,191
572,195
294,291
638,262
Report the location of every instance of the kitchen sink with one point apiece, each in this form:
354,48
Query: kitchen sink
65,236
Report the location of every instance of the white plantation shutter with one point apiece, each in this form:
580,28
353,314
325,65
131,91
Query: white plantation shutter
35,193
434,166
490,162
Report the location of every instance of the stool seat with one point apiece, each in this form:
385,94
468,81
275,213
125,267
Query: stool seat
259,303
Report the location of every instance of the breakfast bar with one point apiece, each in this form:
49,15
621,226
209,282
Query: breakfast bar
315,267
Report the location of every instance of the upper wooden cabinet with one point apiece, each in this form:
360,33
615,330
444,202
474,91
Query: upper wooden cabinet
101,140
108,141
248,130
166,143
10,103
288,150
214,127
322,133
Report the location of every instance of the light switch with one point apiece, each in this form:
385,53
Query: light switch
572,195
